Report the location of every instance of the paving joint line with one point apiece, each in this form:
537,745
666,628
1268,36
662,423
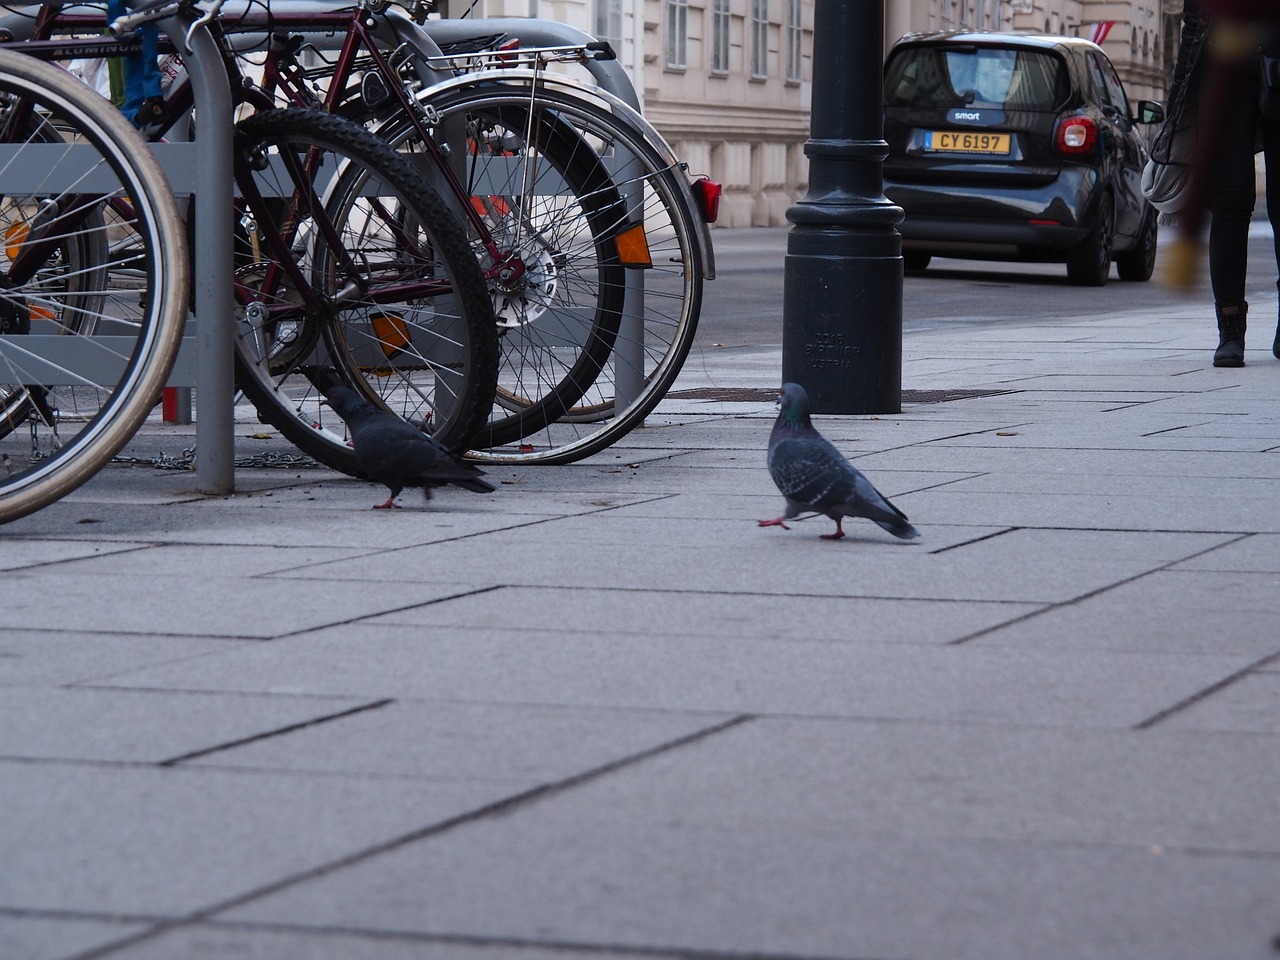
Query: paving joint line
277,732
565,946
1089,595
1213,688
502,806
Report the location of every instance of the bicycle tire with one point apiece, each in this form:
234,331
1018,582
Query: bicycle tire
556,278
655,333
432,361
141,307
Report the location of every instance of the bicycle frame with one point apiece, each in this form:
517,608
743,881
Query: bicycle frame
338,25
283,266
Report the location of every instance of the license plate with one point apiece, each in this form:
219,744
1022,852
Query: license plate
965,141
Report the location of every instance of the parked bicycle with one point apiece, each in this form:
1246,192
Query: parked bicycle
341,240
588,231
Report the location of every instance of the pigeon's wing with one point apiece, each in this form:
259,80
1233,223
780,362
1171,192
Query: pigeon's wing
389,447
810,471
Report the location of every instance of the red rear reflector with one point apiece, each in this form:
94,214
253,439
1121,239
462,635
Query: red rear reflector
707,192
1076,135
1045,223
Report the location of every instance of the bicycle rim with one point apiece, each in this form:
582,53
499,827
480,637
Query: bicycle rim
560,397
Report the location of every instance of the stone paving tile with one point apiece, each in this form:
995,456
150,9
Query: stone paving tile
1022,684
683,888
156,841
207,606
249,942
160,561
144,726
1168,611
33,552
691,614
1250,705
57,937
41,657
466,741
1175,790
1259,553
736,556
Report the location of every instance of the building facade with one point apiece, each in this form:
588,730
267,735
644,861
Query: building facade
729,82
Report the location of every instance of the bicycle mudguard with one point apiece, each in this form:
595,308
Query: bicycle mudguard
513,76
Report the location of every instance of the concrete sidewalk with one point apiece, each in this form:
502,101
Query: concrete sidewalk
602,714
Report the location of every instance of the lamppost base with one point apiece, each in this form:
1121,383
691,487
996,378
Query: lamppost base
842,339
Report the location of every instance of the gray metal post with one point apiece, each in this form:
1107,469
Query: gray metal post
842,282
214,304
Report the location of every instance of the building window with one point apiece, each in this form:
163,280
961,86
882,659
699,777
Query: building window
677,33
759,38
609,23
794,33
719,36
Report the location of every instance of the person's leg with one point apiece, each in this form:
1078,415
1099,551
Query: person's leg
1231,206
1271,159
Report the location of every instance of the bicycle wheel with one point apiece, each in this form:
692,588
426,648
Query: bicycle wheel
597,284
555,275
87,336
351,270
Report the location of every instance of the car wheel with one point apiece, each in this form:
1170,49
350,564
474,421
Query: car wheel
1089,264
1140,262
915,262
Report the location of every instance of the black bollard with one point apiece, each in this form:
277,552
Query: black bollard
842,282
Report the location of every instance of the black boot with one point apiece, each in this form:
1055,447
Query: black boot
1231,324
1275,344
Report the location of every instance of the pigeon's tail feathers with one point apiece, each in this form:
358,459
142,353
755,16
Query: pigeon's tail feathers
879,510
900,528
475,484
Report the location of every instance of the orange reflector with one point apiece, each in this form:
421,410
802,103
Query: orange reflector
392,332
633,247
14,236
40,313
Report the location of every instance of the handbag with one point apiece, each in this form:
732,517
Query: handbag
1167,172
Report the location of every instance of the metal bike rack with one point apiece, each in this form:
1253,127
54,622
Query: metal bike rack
209,179
202,170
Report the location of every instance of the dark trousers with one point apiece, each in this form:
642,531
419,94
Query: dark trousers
1235,189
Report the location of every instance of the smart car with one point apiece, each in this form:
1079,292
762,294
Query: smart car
1017,147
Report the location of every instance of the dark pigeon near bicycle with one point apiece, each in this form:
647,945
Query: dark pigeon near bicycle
815,477
394,452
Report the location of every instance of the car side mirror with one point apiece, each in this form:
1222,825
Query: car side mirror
1150,112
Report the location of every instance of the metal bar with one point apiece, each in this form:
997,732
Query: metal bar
215,391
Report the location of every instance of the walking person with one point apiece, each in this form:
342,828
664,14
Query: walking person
1227,81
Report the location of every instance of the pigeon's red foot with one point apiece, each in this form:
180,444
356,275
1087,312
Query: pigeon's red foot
389,505
838,535
775,522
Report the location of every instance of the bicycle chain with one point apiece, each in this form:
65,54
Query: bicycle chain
186,460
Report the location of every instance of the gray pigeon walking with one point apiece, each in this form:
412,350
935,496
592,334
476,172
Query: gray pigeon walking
394,452
815,477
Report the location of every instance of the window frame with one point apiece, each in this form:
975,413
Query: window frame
758,32
677,39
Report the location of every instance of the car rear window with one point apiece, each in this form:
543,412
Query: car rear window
1015,79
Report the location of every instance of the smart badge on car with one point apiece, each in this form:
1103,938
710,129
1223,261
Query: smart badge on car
965,141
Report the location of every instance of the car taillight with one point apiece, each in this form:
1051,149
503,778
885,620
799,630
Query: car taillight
707,194
1076,135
